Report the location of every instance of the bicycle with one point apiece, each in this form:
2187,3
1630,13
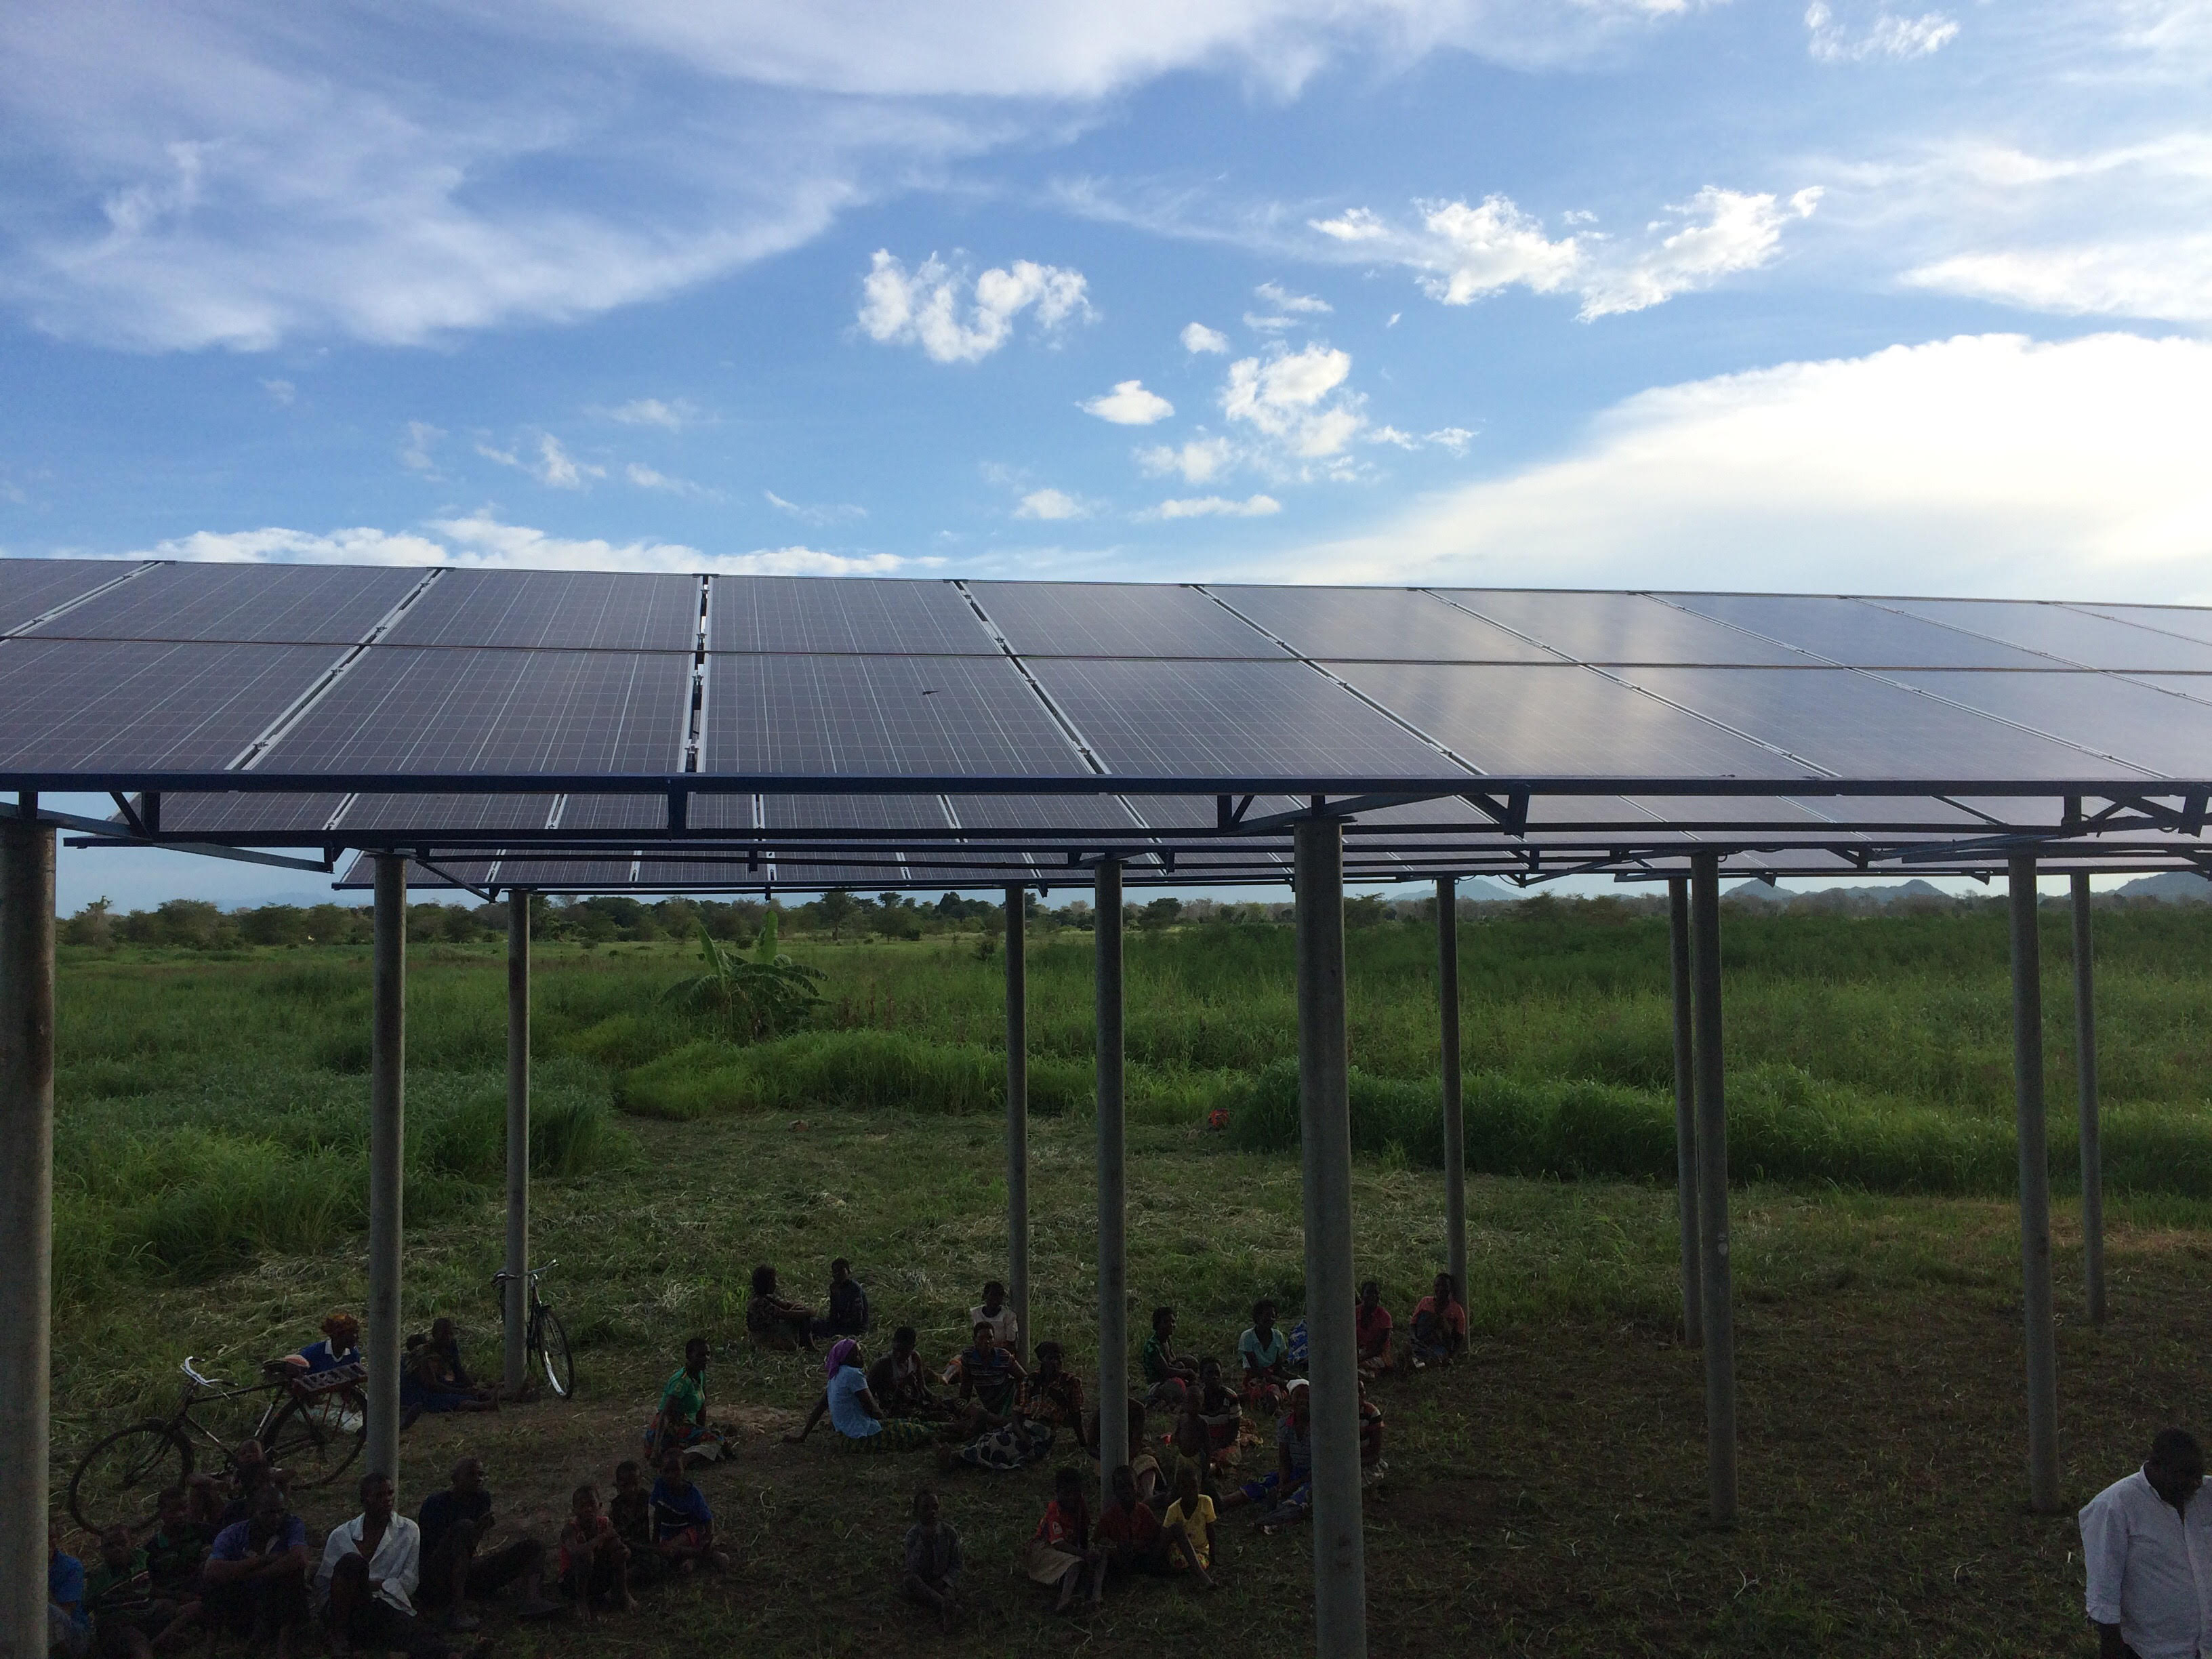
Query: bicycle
312,1427
544,1338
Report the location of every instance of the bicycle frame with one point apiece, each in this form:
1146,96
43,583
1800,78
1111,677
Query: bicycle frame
207,1391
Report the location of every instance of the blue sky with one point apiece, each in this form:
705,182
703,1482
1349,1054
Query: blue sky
1589,293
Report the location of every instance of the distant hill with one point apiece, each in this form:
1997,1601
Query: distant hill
1873,895
2173,887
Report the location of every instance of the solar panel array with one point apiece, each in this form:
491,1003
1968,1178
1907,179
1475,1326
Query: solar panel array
471,715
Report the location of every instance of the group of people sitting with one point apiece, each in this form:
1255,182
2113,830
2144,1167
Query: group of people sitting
986,1410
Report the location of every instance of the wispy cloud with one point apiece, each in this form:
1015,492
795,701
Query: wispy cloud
1215,507
552,465
957,320
1197,338
646,477
416,446
1128,405
1304,305
833,513
1885,34
280,392
672,416
1051,504
1199,460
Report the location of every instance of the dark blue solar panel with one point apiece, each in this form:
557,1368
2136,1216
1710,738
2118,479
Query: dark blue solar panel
31,587
2192,622
1117,619
828,714
261,604
95,706
1855,633
876,616
1389,624
554,610
1233,719
1560,722
2074,637
1616,627
2115,717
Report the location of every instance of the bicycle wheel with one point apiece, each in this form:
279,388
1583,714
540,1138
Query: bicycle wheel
318,1438
553,1351
120,1480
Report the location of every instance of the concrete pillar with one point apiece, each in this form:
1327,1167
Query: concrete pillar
517,1355
26,1204
1325,1142
1455,1113
386,1143
1113,1217
1714,1293
1018,1114
2035,1193
2085,1068
1686,1105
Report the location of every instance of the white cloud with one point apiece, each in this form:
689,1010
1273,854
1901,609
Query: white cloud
554,465
280,392
1215,507
1198,461
1294,397
646,477
1050,504
415,448
1466,252
1453,438
1984,464
1197,337
653,411
1886,36
1283,299
480,539
2171,278
924,307
1128,405
836,512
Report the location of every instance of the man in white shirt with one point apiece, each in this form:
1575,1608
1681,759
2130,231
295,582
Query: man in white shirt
2147,1545
366,1585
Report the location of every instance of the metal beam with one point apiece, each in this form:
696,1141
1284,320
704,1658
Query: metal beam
2085,1071
27,1198
1715,1292
1686,1105
1455,1113
2035,1193
386,1144
517,1302
1325,1142
1017,1116
1113,1237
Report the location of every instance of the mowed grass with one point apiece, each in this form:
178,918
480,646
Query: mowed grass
1545,1498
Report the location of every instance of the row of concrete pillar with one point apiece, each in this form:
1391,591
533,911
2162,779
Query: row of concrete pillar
26,1062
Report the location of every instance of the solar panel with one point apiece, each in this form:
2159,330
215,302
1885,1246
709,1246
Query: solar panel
1616,627
552,610
1250,718
2072,636
1391,624
1855,633
1117,619
1560,721
876,616
242,814
260,604
31,587
1856,726
854,714
2130,723
2190,621
97,706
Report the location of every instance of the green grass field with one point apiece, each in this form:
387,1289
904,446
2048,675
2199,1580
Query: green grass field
1544,1498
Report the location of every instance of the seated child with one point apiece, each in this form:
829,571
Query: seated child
1129,1535
1186,1529
631,1514
1264,1352
848,1305
1284,1489
594,1564
178,1547
988,1373
933,1560
1166,1376
774,1322
1058,1549
1053,1394
900,1383
682,1524
1439,1326
1370,1436
1223,1413
996,1312
1371,1330
434,1379
118,1593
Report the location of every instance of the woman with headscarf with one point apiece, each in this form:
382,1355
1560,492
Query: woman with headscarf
859,1422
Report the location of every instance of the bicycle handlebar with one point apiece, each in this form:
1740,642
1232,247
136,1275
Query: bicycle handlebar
504,1274
203,1381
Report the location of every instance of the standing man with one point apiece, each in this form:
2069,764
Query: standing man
2147,1545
